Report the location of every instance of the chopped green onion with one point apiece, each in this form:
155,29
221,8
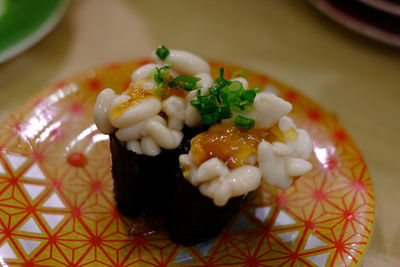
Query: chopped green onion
210,118
186,82
225,112
162,52
195,103
221,80
225,96
248,95
244,122
160,91
215,90
208,104
241,73
160,76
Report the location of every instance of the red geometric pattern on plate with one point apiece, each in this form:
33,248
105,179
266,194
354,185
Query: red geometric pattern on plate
57,213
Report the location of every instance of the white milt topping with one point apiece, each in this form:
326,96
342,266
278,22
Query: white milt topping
101,110
205,82
149,147
134,146
192,116
185,62
174,107
267,109
134,132
164,137
278,163
237,182
212,168
137,121
136,113
216,181
281,162
143,72
297,139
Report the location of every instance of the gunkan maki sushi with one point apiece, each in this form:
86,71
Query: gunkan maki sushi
192,149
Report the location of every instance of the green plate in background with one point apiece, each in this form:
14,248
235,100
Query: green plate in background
24,22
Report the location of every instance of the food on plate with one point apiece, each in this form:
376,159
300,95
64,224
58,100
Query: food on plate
192,148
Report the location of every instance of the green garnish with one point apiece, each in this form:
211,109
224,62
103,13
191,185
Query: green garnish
240,73
244,122
186,82
160,91
224,97
162,52
219,83
160,76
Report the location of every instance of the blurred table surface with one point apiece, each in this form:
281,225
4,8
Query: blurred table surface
350,75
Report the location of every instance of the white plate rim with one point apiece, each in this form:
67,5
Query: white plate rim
353,23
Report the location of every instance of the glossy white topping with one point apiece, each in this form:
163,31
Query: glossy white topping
101,110
297,166
174,107
237,182
134,146
212,168
185,62
149,147
192,116
139,125
134,132
205,82
272,167
164,137
277,163
280,163
302,146
143,72
267,109
136,113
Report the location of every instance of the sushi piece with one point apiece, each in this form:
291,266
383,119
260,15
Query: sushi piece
146,125
222,166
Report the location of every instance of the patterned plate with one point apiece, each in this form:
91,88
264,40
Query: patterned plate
57,209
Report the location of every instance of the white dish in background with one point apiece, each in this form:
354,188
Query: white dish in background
363,19
384,5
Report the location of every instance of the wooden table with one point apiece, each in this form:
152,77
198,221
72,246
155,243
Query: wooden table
350,75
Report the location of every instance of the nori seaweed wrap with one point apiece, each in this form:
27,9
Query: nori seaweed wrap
194,218
145,185
142,184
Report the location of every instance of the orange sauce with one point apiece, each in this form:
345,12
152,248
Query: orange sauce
172,91
232,145
137,94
